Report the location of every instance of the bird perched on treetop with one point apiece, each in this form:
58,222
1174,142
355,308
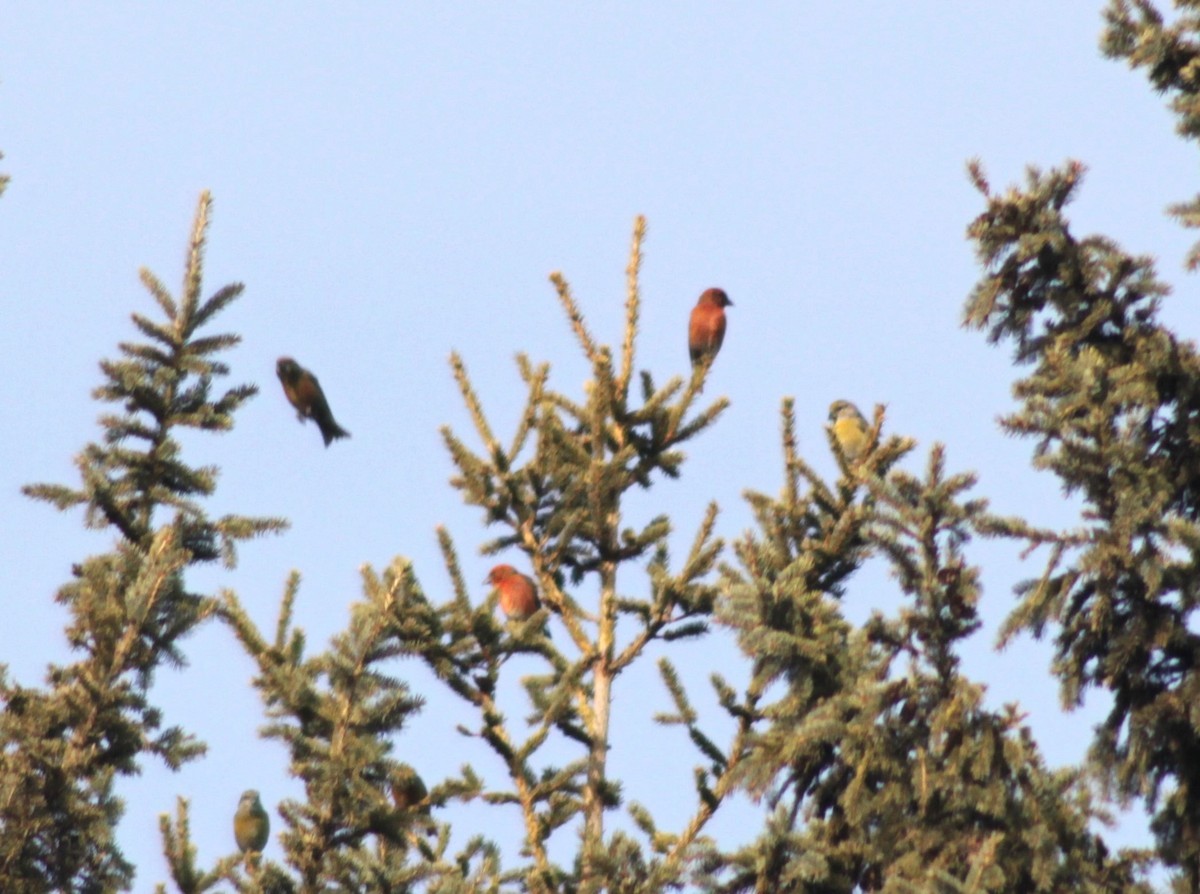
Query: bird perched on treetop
304,393
706,330
849,428
518,593
251,825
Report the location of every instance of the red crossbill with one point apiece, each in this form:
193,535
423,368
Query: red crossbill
706,330
849,428
251,825
408,790
304,392
412,808
518,593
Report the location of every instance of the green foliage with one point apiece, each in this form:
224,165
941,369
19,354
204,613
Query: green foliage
336,712
877,763
162,385
181,855
1137,32
366,819
555,488
1111,400
880,765
65,744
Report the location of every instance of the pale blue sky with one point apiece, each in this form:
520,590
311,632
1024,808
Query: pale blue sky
395,181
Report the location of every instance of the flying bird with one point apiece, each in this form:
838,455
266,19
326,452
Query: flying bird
706,330
251,825
849,428
304,392
518,593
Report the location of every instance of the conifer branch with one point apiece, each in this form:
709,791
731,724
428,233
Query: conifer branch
336,712
536,380
1108,396
562,508
1138,33
725,767
130,608
180,854
190,294
575,315
473,405
163,296
632,307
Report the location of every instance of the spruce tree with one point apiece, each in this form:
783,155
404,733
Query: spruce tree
335,712
555,488
880,764
877,764
65,744
1111,399
880,767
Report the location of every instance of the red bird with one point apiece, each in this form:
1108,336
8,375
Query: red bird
707,328
518,593
303,392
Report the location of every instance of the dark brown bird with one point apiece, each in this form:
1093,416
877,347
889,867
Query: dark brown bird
706,330
304,393
410,797
408,790
518,593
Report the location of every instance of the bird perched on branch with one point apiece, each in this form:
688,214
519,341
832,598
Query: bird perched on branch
412,809
518,592
706,330
850,428
304,393
251,825
408,790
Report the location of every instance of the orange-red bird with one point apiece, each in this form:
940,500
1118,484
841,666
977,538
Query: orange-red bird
707,328
303,392
518,593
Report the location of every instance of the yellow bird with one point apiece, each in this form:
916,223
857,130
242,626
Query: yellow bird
251,825
851,430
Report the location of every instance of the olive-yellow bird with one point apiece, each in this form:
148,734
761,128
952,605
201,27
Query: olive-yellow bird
849,428
251,825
